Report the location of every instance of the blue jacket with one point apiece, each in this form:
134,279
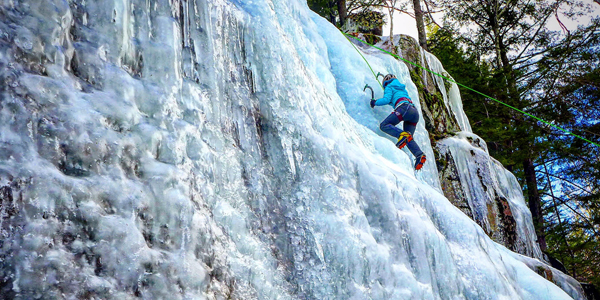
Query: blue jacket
393,91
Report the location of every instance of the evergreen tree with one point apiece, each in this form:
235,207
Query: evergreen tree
327,9
560,83
572,193
338,11
514,36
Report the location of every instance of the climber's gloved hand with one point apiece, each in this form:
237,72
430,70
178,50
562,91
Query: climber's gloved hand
372,103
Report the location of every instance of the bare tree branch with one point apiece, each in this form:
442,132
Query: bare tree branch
567,181
564,28
431,16
564,202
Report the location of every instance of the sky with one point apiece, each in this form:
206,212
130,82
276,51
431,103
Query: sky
404,24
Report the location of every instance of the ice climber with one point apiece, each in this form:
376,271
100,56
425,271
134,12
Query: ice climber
395,94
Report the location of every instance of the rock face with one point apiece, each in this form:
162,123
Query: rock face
220,150
490,194
434,92
366,22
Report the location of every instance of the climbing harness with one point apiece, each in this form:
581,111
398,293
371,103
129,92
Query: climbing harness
402,101
400,116
459,84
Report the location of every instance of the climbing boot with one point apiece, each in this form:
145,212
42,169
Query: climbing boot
404,139
420,161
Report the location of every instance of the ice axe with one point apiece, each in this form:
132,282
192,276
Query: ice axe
368,87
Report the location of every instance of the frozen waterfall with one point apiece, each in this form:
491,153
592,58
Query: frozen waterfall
218,150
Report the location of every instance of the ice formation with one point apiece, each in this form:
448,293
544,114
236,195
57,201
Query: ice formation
218,150
451,95
493,194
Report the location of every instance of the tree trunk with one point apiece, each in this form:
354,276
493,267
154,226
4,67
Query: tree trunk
420,24
342,11
392,33
535,204
391,5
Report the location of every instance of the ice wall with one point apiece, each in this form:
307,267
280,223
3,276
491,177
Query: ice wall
217,150
449,90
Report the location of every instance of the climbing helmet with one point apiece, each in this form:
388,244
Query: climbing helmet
388,77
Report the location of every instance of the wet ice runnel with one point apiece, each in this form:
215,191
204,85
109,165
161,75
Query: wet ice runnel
449,91
214,150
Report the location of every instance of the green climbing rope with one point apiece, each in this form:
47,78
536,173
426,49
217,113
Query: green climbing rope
459,84
364,60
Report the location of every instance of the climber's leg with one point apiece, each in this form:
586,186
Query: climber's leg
411,118
389,125
404,138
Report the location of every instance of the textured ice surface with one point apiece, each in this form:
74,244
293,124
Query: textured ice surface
485,181
449,90
567,283
214,150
